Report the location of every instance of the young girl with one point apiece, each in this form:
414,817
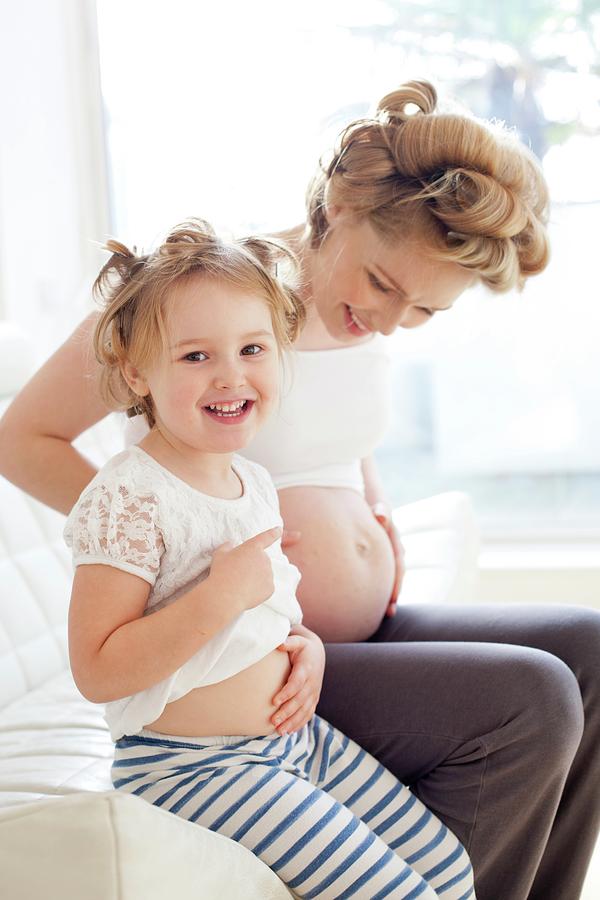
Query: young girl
182,595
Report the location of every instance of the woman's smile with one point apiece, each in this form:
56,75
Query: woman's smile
354,323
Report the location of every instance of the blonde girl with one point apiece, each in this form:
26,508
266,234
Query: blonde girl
183,601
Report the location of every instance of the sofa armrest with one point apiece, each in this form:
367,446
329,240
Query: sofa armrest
113,846
441,539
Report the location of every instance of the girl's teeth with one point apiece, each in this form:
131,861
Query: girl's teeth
228,409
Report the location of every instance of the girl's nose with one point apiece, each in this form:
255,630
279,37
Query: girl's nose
230,375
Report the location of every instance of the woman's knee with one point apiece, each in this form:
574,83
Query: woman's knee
549,702
578,643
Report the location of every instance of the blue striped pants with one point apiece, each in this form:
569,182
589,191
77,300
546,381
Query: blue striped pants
313,805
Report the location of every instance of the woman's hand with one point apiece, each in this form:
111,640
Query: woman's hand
298,698
383,513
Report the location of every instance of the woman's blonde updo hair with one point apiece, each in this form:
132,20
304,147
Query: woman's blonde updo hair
133,289
468,188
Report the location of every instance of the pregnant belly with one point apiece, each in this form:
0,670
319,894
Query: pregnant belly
345,559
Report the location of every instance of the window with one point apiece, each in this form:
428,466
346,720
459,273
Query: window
223,111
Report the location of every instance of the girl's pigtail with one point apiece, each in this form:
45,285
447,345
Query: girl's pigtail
117,289
116,268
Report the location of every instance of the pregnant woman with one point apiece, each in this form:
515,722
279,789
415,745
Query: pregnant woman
490,713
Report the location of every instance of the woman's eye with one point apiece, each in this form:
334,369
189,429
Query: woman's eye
195,356
377,284
251,350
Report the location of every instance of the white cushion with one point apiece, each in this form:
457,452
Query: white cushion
53,743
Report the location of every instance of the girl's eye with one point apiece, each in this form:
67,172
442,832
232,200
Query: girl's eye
428,312
194,356
377,284
251,350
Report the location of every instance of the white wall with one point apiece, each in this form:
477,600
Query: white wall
53,198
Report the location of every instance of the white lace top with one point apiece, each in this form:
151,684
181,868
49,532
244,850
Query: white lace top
137,516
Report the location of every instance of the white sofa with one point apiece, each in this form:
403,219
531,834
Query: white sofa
64,833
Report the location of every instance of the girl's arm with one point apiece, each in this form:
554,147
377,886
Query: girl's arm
55,406
375,496
116,651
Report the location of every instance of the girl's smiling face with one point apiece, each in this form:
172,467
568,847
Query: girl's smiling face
218,380
361,284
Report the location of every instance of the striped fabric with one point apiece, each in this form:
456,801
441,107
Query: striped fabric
313,805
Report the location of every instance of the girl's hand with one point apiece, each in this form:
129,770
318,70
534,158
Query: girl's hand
289,538
298,698
243,575
383,514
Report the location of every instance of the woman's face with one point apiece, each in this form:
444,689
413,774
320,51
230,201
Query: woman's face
361,285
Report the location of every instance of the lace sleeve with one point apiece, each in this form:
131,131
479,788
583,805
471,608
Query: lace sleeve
116,527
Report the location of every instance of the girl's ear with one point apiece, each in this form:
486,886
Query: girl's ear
135,379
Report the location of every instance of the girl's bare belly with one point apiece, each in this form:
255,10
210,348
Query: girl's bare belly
345,559
241,704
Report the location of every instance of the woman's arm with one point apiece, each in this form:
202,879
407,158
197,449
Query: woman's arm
375,496
374,489
59,403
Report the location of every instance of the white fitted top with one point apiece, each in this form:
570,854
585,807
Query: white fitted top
334,412
137,516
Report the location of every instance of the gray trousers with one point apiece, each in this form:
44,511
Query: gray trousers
491,714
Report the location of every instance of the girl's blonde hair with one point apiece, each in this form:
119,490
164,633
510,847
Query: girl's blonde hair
133,289
470,189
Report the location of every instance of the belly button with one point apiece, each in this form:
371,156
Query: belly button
362,548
